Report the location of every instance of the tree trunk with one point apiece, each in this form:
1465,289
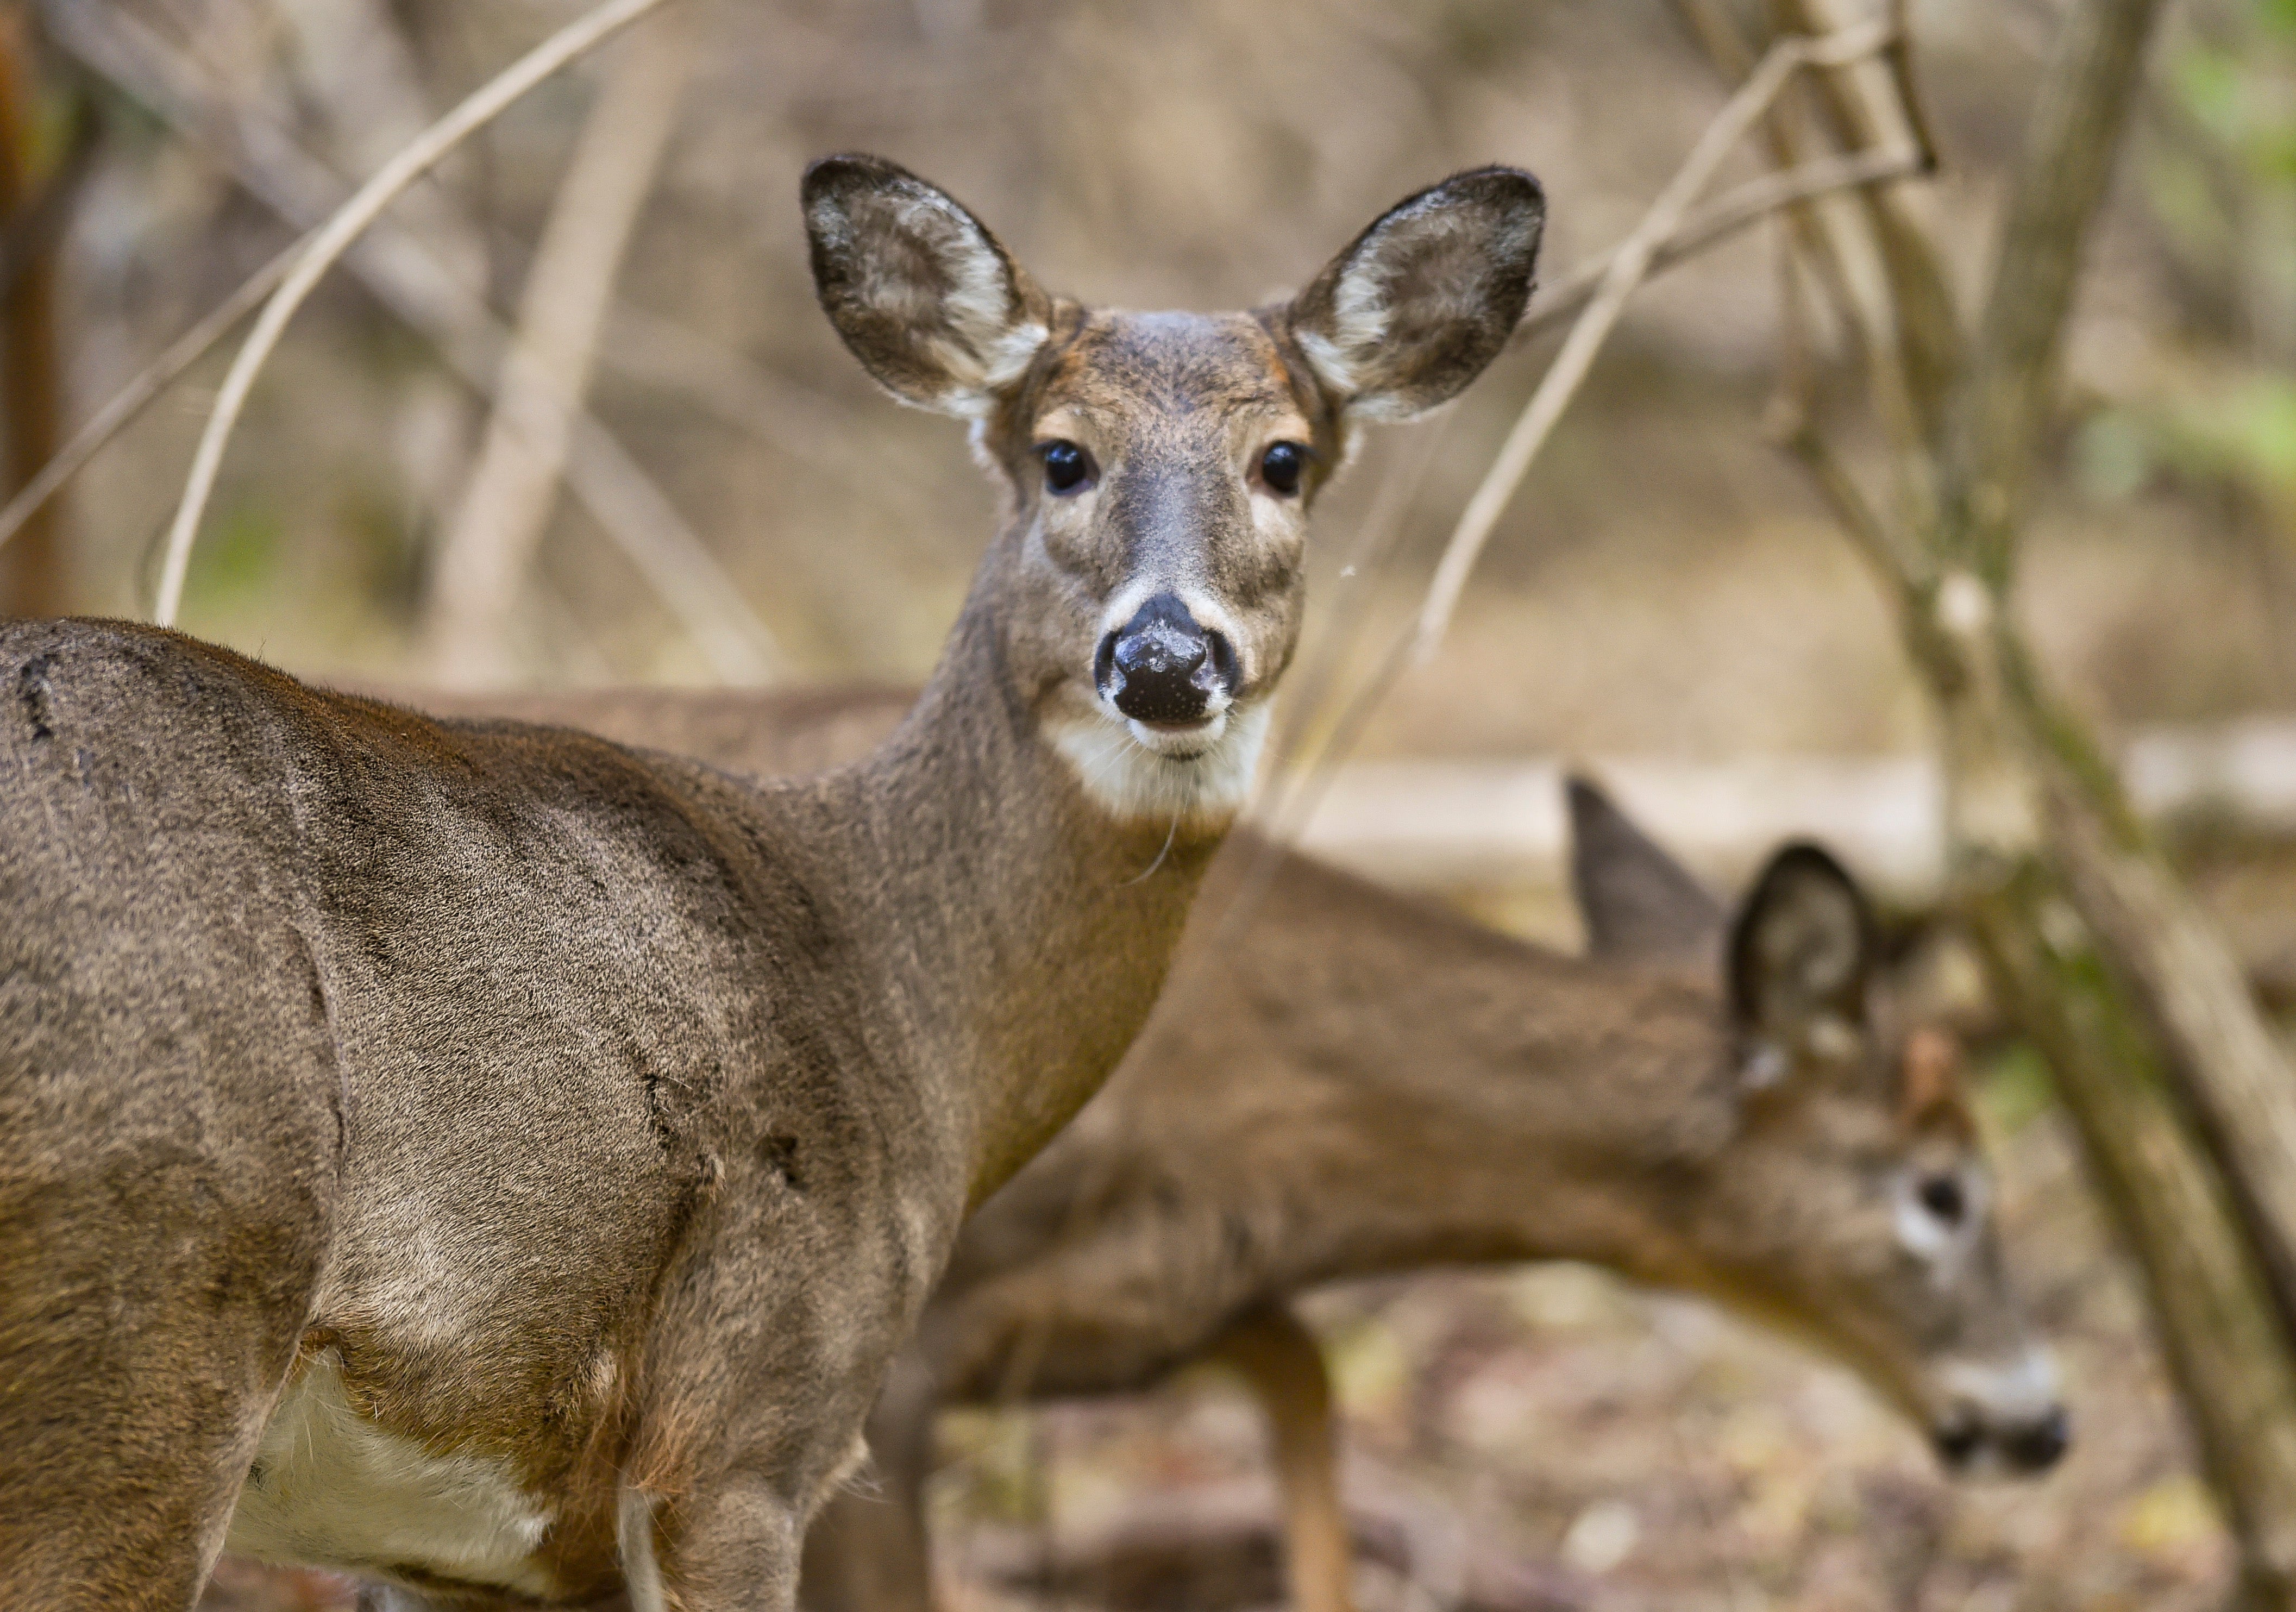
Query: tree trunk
33,580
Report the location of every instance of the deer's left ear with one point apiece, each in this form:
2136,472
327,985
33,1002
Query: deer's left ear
1638,904
1802,952
1426,297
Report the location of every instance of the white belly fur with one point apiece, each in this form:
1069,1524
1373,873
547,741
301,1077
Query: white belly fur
336,1491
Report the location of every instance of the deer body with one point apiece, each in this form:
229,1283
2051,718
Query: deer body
1357,1083
497,1162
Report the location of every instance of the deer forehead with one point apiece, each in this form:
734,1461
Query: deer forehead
1126,369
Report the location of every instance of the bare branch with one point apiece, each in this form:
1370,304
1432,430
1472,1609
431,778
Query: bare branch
2067,161
569,45
403,275
1732,211
124,407
1873,105
1627,267
489,549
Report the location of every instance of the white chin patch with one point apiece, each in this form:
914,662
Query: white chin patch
1138,774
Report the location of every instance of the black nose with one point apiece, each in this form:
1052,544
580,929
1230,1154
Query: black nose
1161,666
1957,1442
2038,1447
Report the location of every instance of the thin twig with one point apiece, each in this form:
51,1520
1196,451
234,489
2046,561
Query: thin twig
569,45
129,402
1723,217
1629,265
490,546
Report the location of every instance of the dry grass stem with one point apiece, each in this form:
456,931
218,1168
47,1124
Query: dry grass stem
1735,210
125,405
406,277
567,45
489,550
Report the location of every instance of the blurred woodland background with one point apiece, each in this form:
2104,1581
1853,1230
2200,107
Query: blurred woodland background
1665,590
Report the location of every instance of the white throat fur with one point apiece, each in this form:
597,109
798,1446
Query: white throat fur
1133,783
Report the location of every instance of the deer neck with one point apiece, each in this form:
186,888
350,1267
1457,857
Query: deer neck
1482,1101
1022,931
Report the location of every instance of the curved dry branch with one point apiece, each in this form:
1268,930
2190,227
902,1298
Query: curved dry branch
1629,266
334,237
1711,224
125,405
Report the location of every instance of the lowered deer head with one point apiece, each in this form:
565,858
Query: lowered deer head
1849,1200
1725,1103
491,1161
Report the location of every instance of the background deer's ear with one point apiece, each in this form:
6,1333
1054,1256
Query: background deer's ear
1426,297
1801,953
1638,904
928,301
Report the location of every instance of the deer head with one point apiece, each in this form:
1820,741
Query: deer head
1844,1194
1158,467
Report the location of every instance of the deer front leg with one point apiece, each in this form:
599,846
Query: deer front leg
732,1547
1283,1365
869,1552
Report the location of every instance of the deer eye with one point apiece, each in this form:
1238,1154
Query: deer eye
1067,466
1282,466
1942,1196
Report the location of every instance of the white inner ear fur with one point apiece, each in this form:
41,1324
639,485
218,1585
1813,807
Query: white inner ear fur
994,345
1363,305
1359,308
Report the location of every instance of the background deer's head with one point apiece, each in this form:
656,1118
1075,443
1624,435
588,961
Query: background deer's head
1829,1176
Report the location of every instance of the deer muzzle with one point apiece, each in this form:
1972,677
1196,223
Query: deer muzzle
1164,670
2005,1420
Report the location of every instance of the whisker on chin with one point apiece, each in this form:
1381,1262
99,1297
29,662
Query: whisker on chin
1170,834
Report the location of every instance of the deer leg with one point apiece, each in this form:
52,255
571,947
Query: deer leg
736,1551
869,1552
1283,1365
139,1368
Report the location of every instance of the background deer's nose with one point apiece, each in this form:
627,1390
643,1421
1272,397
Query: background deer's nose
2038,1445
1161,666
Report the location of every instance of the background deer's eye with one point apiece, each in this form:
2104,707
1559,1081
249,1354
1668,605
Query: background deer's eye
1282,466
1942,1196
1067,466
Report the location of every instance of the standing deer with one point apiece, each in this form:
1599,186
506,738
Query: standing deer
1359,1083
499,1163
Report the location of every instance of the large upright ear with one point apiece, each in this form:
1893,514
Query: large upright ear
1426,297
1801,953
1638,904
928,301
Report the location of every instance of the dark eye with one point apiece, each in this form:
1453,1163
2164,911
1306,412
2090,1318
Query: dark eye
1282,466
1067,466
1942,1196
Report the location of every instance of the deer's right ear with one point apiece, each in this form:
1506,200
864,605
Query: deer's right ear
1801,953
1638,904
1426,297
930,302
